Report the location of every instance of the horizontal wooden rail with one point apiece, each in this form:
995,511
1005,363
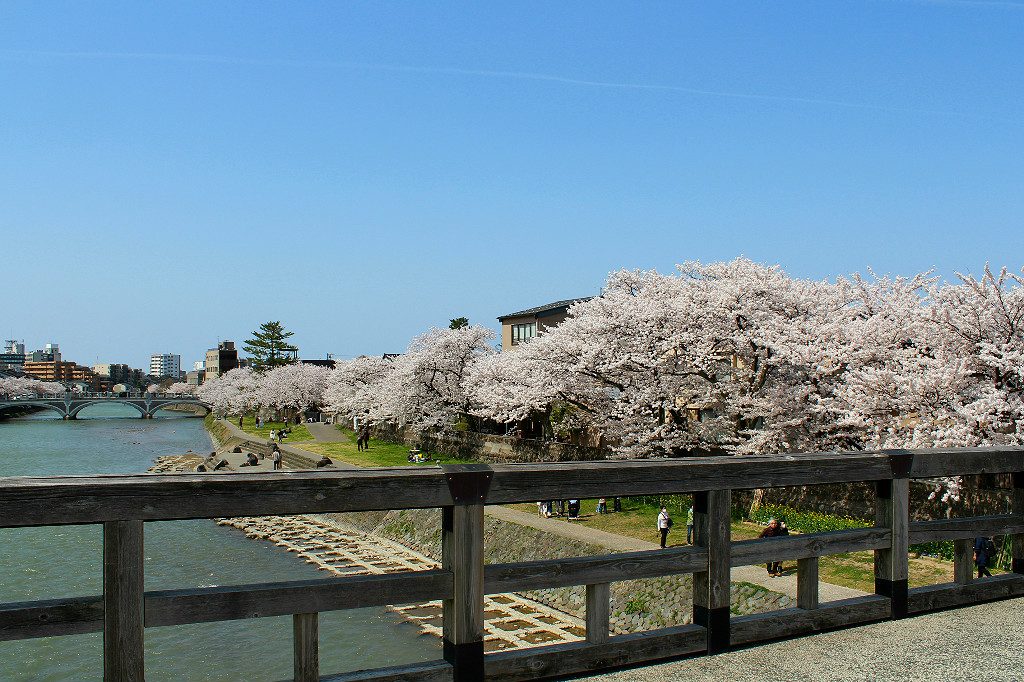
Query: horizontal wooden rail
949,595
966,528
76,615
792,622
122,503
560,660
542,575
146,497
790,547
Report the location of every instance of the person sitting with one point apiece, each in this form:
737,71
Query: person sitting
325,461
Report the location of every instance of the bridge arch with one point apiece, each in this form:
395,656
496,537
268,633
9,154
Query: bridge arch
184,401
49,405
81,405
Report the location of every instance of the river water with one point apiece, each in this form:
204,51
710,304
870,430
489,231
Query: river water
64,561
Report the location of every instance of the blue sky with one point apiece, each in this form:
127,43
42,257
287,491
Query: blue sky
175,173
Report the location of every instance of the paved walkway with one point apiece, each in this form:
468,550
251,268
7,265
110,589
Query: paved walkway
983,643
326,433
619,543
286,447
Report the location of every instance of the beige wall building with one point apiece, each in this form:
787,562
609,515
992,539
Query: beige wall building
522,326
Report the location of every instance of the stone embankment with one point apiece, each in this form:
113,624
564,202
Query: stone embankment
636,605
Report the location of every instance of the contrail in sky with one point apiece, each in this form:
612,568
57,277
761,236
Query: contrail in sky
482,73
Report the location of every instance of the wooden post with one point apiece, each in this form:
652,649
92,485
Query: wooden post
598,612
711,590
1017,556
123,602
963,561
807,583
892,511
306,647
462,553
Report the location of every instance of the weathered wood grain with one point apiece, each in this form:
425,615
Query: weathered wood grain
78,615
949,595
123,605
306,647
1017,542
965,528
939,462
152,497
963,561
551,573
530,482
562,660
762,627
431,671
462,554
598,612
892,567
789,547
807,583
51,618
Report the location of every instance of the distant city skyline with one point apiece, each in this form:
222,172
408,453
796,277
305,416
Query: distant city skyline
362,172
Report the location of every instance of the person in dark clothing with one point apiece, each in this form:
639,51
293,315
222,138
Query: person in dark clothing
774,530
984,549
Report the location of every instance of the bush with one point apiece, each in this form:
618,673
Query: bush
806,521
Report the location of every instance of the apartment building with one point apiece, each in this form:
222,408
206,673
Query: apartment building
164,365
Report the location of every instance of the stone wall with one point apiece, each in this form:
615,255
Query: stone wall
486,447
636,605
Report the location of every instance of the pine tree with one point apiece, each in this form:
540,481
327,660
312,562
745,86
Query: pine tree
269,347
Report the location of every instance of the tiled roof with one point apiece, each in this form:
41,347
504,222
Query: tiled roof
550,307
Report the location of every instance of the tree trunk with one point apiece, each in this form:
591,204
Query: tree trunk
756,502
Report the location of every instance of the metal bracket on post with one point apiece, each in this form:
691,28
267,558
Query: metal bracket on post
468,483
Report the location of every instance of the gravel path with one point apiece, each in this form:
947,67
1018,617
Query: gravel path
983,643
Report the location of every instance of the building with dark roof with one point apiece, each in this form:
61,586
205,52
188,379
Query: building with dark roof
524,325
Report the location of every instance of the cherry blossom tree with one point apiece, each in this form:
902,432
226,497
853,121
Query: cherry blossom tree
179,388
292,388
16,386
424,387
354,384
232,393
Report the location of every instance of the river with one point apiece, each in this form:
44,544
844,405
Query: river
64,561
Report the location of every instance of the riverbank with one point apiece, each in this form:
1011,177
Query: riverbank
635,605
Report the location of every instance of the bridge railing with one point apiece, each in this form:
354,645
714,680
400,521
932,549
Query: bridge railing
122,504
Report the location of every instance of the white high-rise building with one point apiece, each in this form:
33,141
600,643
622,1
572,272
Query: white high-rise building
165,365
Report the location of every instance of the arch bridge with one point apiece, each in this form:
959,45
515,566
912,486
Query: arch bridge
71,404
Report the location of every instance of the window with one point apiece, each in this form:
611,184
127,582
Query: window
523,332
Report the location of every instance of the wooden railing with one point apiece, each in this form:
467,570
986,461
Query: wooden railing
124,503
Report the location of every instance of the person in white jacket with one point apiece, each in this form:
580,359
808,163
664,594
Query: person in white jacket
664,523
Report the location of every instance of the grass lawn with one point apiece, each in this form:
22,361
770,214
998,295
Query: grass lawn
854,570
298,433
380,454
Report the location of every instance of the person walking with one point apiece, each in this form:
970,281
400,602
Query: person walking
239,422
774,530
984,549
277,458
664,524
689,526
